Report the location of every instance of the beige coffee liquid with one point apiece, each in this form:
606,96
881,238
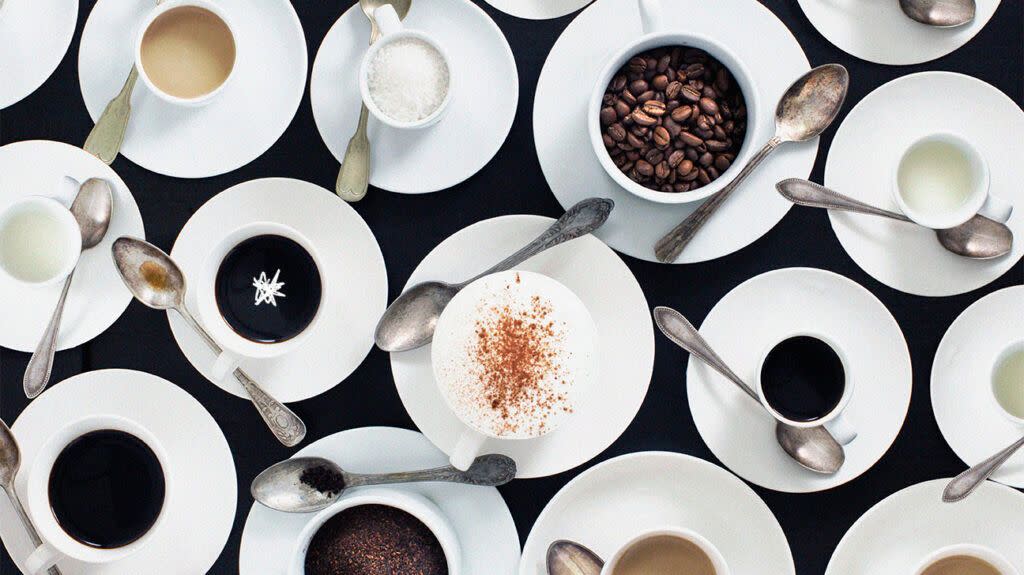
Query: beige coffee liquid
961,565
664,555
188,52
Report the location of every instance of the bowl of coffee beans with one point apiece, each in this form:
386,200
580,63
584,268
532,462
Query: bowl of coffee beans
671,117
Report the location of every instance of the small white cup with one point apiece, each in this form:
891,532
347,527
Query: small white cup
66,243
979,200
156,12
57,544
391,30
412,503
717,560
1013,348
971,550
833,421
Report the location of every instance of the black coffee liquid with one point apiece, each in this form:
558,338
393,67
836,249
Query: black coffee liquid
106,488
268,288
803,378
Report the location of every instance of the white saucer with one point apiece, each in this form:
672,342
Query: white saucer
968,416
871,140
624,332
538,9
765,310
482,521
572,170
241,123
98,296
485,92
352,264
198,522
878,30
27,58
611,503
892,537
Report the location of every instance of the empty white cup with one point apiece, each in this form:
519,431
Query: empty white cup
40,241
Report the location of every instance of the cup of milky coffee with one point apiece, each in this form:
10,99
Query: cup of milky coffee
260,293
40,241
185,51
405,77
378,530
965,559
667,550
514,354
97,491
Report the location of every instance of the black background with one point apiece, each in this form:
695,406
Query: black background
407,227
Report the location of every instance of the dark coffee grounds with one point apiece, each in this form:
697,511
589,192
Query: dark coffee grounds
323,479
375,540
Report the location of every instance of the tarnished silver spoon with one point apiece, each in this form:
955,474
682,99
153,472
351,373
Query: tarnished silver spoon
409,321
964,484
571,558
978,238
812,447
940,13
281,487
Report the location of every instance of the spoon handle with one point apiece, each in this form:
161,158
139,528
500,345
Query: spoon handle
33,535
807,193
354,175
106,137
37,374
964,484
580,220
671,244
447,474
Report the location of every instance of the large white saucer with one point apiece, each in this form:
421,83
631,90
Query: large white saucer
765,310
485,92
625,338
27,57
610,503
967,414
867,147
202,511
878,30
569,162
235,128
352,266
538,9
482,521
98,296
896,534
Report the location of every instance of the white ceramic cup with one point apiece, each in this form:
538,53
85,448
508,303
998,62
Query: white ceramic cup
157,11
654,36
236,347
979,200
452,360
971,550
391,30
57,544
717,560
1013,348
833,421
412,503
66,243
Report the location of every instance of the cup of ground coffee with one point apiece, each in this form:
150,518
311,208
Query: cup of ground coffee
672,113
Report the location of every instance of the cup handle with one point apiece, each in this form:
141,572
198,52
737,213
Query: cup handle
40,560
841,429
387,20
467,449
225,365
996,209
651,15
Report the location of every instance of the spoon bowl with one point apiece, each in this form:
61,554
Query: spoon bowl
940,13
152,277
10,457
570,558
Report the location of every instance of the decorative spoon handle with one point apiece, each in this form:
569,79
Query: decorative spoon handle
446,474
964,484
37,374
33,535
106,137
807,193
354,175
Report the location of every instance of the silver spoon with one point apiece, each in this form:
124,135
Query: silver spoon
156,281
10,462
806,109
410,320
811,447
280,486
964,484
92,210
940,13
571,558
978,238
354,175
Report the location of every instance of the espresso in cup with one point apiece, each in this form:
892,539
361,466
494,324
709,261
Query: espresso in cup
803,378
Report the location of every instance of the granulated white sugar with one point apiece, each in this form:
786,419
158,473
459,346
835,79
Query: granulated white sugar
408,79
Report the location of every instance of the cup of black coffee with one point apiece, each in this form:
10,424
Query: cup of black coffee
260,293
97,491
804,381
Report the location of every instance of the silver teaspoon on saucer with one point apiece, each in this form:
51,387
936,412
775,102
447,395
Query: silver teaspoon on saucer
940,13
964,484
978,238
812,447
156,281
281,485
409,321
570,558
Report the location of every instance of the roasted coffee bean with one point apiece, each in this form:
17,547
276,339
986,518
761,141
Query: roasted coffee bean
641,118
705,159
672,89
636,65
628,98
712,173
684,167
675,159
692,154
688,139
681,187
622,109
716,145
617,132
690,93
654,108
661,171
618,83
720,133
694,71
708,106
722,163
644,168
608,116
722,80
661,137
608,141
659,82
703,177
681,114
654,156
703,123
692,175
638,87
634,141
663,63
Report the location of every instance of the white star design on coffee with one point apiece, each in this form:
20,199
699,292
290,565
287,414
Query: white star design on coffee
268,289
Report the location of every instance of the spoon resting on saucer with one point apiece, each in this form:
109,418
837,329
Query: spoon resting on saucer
940,13
570,558
964,484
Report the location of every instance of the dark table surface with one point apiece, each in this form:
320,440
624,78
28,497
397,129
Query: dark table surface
407,227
